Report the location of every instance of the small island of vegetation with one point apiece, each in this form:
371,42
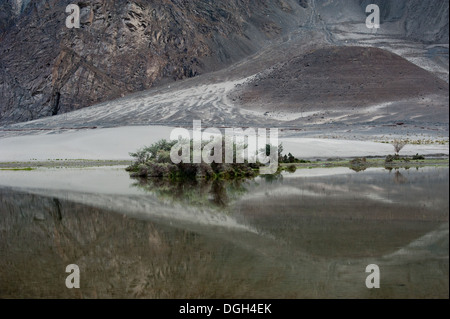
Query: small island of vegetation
155,161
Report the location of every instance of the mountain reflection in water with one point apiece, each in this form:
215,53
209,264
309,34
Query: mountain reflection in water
310,234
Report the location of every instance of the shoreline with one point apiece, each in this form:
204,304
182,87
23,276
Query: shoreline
438,160
80,163
115,144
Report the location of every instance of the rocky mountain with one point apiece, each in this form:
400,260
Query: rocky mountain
121,47
128,46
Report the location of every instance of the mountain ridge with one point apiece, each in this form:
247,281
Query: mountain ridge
131,46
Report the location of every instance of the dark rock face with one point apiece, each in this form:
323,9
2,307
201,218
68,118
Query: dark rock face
10,12
121,47
6,15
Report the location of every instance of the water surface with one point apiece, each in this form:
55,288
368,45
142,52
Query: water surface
310,234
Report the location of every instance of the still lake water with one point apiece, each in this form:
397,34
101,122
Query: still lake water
310,234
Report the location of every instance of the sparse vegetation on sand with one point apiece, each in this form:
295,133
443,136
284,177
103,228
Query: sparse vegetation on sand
361,164
423,141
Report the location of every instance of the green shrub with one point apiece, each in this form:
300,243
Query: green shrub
389,159
418,157
291,168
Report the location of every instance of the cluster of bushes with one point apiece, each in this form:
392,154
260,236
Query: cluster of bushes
358,164
290,159
291,168
286,159
155,161
358,161
396,157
